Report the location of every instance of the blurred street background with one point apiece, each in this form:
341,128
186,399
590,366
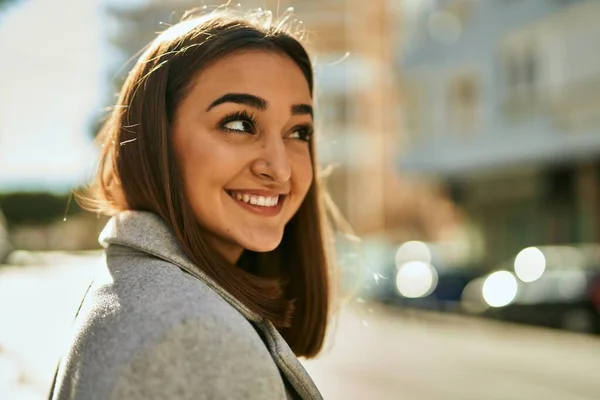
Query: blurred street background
461,140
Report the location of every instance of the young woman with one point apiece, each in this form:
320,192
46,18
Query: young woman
216,276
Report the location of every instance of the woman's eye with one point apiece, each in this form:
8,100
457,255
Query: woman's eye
240,121
239,125
301,133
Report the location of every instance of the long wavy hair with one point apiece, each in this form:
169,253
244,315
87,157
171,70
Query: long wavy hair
138,170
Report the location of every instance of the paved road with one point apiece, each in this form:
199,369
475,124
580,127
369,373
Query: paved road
37,304
378,352
416,356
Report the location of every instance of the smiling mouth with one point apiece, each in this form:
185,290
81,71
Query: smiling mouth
255,200
263,205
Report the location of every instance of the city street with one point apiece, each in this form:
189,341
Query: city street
417,356
378,352
451,149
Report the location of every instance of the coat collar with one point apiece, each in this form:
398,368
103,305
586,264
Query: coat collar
145,231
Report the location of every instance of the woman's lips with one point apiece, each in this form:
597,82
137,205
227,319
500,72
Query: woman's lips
265,209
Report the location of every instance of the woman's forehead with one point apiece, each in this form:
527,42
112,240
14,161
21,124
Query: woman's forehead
259,72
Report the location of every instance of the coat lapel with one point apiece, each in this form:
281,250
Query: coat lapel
146,232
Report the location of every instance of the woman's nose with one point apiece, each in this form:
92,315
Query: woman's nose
273,164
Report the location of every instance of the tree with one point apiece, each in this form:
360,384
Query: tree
4,3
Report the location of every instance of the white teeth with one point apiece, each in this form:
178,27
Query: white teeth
256,200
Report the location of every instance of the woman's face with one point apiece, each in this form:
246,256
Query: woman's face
242,141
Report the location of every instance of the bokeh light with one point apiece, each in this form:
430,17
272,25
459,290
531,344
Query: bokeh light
500,289
416,279
530,264
413,251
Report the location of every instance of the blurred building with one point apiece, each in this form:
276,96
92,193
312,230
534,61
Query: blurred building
358,101
504,110
356,92
51,151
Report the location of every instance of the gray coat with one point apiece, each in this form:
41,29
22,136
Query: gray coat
153,326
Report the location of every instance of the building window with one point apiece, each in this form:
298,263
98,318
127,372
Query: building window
521,77
463,104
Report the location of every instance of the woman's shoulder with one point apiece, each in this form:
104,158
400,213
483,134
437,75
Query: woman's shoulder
144,319
146,300
139,289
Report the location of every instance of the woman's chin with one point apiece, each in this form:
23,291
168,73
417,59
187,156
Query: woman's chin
262,247
262,244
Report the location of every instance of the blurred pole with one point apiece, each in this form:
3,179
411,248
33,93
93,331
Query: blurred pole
371,37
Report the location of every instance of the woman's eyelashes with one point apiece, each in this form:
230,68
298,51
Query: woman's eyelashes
244,122
239,121
303,132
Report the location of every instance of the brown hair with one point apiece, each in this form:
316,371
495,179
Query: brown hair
290,286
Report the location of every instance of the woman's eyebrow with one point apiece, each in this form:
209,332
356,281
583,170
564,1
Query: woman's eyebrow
258,103
301,109
241,98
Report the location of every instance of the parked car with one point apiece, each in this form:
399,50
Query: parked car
553,286
431,275
413,273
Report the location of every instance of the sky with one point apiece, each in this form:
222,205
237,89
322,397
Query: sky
52,75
